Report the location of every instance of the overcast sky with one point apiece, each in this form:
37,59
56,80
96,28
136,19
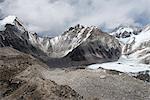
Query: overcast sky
55,16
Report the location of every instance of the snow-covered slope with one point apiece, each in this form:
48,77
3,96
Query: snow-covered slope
61,45
96,46
138,45
65,43
125,31
127,65
124,64
42,43
135,52
134,43
72,38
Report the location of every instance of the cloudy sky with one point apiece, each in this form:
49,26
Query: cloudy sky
55,16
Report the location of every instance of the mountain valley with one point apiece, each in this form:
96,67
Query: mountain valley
83,63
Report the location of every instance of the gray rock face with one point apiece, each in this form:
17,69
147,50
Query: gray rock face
99,47
14,34
17,39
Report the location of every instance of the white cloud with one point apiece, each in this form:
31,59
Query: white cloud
55,16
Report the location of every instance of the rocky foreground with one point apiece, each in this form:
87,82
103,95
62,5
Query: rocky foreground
101,84
23,77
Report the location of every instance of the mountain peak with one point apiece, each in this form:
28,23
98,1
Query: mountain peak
125,31
8,20
12,20
78,28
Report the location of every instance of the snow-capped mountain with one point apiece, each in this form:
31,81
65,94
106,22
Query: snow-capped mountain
62,45
78,35
13,20
132,39
137,45
135,51
79,44
96,47
125,31
72,38
14,34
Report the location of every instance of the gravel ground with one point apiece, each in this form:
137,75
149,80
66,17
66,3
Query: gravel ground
101,84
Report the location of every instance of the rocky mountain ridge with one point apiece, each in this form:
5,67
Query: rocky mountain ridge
79,45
